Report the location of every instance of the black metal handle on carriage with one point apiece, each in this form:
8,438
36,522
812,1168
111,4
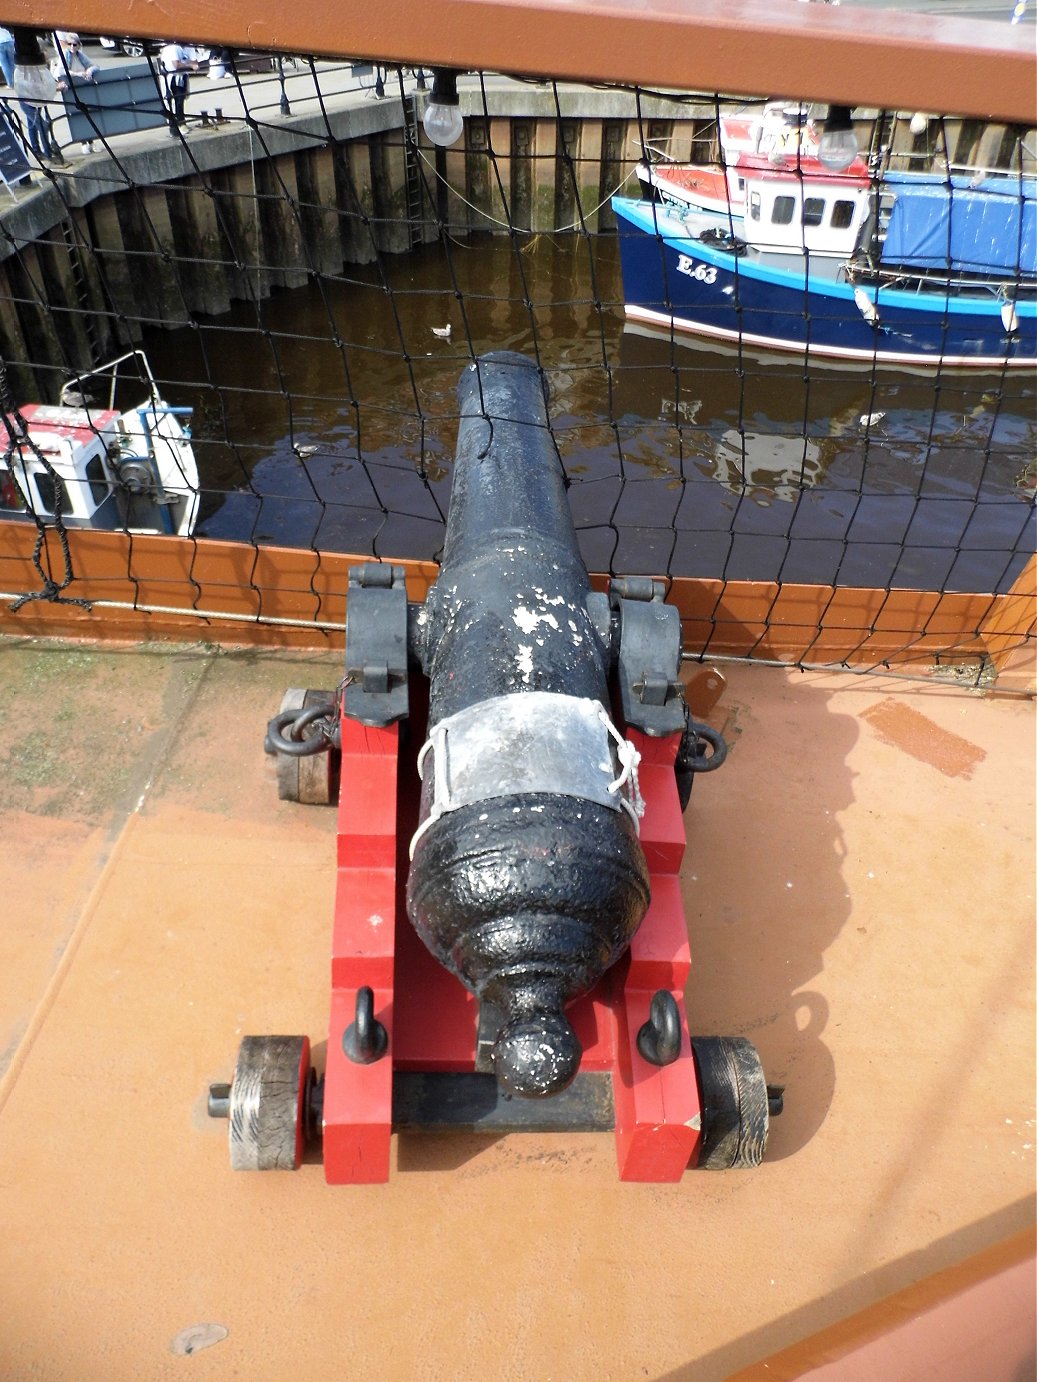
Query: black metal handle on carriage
692,757
284,733
659,1040
365,1040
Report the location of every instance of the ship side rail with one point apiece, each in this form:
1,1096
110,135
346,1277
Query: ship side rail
914,280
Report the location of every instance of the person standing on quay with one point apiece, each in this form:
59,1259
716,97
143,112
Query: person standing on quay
177,63
8,62
37,135
70,65
7,58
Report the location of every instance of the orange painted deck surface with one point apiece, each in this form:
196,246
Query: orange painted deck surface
860,894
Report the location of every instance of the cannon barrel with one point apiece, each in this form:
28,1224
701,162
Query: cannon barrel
527,878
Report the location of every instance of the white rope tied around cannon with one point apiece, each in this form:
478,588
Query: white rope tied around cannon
629,757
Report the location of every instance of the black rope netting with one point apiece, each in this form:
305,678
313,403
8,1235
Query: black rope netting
310,275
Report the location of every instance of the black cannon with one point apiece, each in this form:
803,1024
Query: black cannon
527,878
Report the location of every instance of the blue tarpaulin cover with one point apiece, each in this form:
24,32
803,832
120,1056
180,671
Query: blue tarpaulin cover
959,225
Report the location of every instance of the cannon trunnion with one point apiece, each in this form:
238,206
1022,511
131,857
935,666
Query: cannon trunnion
532,832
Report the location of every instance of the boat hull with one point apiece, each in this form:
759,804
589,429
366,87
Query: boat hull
675,281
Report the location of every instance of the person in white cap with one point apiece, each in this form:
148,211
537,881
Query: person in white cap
70,65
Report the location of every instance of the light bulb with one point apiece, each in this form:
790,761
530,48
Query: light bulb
444,125
838,145
33,82
443,121
919,122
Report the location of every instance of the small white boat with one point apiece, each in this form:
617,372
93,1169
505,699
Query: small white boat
111,455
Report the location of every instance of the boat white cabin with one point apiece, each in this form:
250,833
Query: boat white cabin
822,214
770,185
100,467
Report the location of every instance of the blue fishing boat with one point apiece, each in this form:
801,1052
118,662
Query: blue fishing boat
907,269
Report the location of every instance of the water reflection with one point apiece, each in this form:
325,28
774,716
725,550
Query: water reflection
766,468
327,416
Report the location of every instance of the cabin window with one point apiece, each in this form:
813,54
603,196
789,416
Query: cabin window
813,211
781,214
97,480
842,215
754,206
10,495
49,487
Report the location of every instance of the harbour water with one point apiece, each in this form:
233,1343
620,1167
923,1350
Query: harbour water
325,417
